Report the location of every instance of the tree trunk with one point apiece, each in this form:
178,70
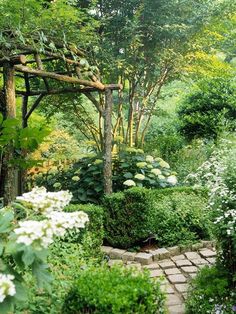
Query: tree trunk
8,173
107,171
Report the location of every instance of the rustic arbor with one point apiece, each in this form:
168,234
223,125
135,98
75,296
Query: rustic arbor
60,70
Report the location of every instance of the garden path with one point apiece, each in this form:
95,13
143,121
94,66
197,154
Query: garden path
176,270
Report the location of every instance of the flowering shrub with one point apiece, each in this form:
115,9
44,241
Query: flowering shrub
131,167
218,174
24,243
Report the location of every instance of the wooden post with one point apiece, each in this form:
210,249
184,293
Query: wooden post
107,171
8,172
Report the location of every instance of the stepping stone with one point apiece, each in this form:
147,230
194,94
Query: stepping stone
197,246
178,257
128,256
189,269
173,300
174,250
156,273
166,264
176,309
192,255
172,271
199,261
106,249
151,266
167,289
143,258
160,254
181,287
207,253
193,275
183,262
208,244
211,260
177,278
116,253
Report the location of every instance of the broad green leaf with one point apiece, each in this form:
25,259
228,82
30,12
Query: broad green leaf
42,275
21,292
5,221
28,256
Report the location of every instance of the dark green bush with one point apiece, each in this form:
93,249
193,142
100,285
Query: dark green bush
173,216
210,293
208,110
117,290
91,237
127,217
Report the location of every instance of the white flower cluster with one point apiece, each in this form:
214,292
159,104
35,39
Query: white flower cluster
36,233
40,233
129,183
139,176
61,221
7,287
44,202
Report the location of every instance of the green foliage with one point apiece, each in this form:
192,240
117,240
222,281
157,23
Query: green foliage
130,167
173,216
91,237
210,293
29,138
114,291
209,110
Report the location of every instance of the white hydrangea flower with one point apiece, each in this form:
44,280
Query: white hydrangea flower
43,202
161,177
7,287
172,180
129,183
141,164
156,171
164,164
36,233
139,176
61,221
75,178
149,159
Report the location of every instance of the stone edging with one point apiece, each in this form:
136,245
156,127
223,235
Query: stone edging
147,257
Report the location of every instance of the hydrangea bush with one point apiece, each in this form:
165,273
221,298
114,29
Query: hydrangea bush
24,244
131,167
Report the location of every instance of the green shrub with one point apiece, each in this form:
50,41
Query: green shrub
173,216
208,110
91,237
210,293
127,217
117,290
131,167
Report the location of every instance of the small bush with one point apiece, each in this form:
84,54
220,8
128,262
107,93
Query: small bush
92,236
173,216
117,290
210,293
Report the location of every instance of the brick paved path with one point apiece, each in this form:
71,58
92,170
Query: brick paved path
176,270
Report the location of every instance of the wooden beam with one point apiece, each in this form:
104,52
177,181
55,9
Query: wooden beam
57,91
20,59
107,169
8,172
64,78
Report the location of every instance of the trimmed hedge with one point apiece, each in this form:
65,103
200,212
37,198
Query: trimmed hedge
91,237
173,216
116,290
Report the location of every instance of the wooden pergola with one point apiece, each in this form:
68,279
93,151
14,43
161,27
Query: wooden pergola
36,72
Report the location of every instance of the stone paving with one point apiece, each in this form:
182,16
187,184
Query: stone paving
176,270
